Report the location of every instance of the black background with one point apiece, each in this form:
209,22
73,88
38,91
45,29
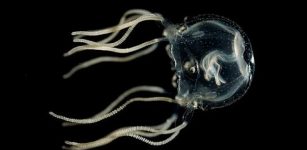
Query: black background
258,120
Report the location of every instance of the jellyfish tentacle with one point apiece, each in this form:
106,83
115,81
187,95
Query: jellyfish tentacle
110,46
81,38
135,132
146,88
119,99
146,17
154,143
130,22
163,126
115,111
113,49
124,19
113,44
102,59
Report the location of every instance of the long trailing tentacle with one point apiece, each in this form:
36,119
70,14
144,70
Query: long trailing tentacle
102,59
129,20
141,133
123,96
113,44
146,17
115,111
113,49
134,12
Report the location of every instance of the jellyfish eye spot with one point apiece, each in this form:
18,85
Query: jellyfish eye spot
190,69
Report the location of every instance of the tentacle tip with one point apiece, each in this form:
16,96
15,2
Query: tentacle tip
65,76
51,113
66,54
74,33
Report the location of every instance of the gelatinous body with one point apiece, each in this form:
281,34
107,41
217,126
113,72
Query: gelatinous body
212,59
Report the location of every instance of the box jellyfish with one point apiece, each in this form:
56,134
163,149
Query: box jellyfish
213,67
